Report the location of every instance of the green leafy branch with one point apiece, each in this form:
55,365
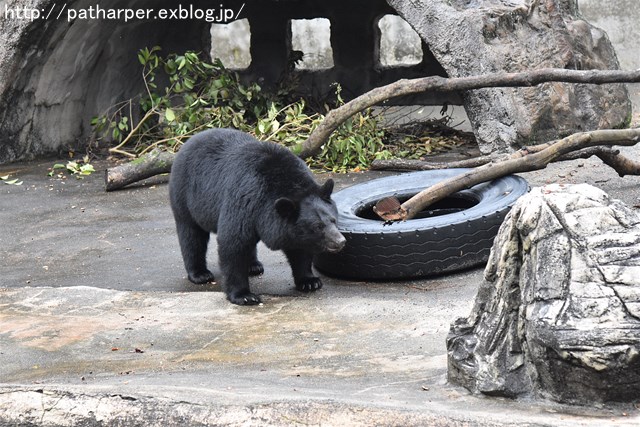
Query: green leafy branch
200,95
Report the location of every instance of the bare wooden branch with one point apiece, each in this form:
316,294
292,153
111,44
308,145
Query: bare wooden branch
424,165
611,157
440,84
519,162
621,164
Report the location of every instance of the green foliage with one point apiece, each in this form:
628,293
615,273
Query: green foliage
200,95
354,145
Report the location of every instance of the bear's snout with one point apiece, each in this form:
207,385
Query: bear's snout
335,241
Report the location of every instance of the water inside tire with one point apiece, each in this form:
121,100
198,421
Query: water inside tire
451,204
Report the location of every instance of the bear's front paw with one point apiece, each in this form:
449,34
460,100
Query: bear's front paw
309,284
244,298
256,269
202,277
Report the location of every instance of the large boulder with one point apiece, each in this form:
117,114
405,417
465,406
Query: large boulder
477,37
558,314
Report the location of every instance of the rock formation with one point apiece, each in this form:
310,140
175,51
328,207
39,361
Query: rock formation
558,314
480,36
55,73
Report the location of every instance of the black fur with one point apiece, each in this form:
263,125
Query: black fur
224,181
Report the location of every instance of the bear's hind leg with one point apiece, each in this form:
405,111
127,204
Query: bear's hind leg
255,267
303,276
193,244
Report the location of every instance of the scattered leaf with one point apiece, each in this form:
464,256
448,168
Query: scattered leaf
77,168
6,180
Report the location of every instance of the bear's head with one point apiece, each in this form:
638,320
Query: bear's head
311,221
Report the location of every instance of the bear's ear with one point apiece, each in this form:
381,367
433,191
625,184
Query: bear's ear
286,208
327,189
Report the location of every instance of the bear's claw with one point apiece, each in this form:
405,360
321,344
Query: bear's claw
245,299
202,277
309,284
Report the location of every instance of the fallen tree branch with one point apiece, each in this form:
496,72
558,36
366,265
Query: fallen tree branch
135,171
621,164
524,160
423,165
154,163
339,115
611,157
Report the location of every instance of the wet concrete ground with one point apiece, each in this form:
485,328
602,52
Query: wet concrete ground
98,325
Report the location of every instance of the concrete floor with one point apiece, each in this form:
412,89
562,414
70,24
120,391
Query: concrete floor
99,326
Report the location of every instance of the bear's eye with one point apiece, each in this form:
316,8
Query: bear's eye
319,226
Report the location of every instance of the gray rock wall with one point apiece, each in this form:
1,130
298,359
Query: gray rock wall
55,75
558,315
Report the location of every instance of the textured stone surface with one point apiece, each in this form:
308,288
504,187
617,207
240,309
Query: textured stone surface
55,75
558,314
477,37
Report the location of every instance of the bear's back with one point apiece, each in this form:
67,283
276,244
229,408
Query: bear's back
224,165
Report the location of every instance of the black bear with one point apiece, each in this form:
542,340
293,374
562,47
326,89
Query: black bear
226,182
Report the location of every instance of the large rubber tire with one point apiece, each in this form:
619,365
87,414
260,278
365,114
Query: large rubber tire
418,247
